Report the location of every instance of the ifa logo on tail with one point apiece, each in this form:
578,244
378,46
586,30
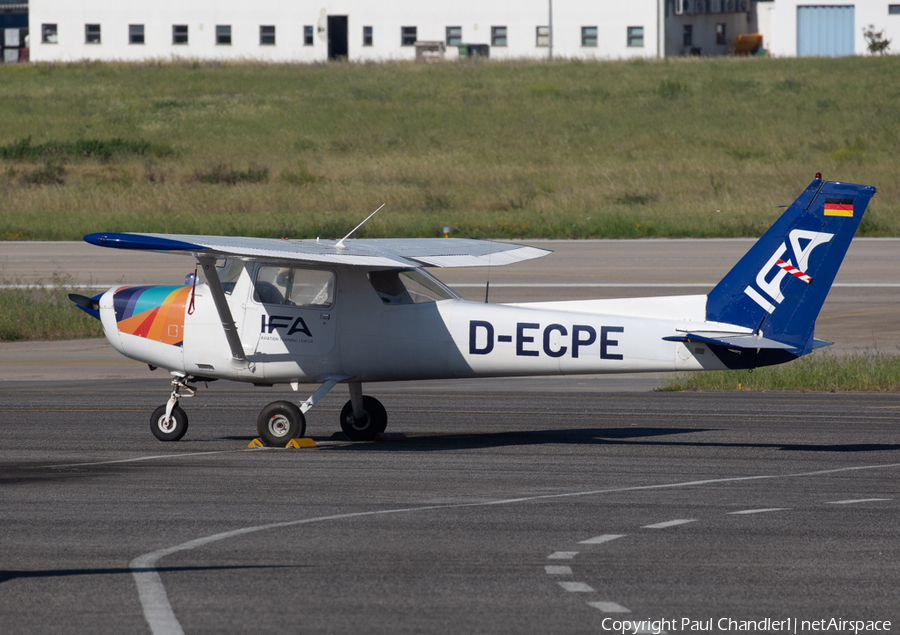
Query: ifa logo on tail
767,293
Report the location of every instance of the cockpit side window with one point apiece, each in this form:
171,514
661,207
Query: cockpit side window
389,288
294,286
409,286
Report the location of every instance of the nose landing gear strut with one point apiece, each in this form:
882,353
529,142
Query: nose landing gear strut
170,422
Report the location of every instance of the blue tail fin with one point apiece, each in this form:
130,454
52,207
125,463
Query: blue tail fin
778,288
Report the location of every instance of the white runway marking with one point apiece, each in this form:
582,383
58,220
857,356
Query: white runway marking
759,511
37,285
609,607
517,285
562,555
641,285
859,500
161,619
576,587
596,540
149,458
552,569
670,523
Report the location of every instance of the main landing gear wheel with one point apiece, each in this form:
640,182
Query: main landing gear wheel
279,422
170,430
372,423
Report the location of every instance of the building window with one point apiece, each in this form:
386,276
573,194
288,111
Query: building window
687,37
635,36
720,33
48,34
367,36
407,36
267,35
179,34
894,9
454,35
92,34
498,36
588,36
135,33
307,35
543,36
223,34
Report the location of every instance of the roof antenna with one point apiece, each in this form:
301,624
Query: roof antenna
487,287
340,243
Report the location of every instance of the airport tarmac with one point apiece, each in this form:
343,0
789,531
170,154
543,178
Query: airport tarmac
500,512
536,505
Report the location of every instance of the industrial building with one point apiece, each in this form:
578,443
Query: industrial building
360,31
279,31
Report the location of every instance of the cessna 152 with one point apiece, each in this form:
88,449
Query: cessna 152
354,311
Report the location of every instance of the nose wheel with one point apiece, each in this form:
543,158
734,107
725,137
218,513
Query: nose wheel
169,428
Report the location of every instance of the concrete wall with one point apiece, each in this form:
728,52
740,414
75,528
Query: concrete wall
521,17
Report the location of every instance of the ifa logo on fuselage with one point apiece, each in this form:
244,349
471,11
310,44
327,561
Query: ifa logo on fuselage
767,293
294,325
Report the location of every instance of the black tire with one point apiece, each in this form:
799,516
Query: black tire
374,420
279,422
174,429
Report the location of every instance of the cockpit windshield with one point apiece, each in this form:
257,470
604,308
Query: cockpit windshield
229,271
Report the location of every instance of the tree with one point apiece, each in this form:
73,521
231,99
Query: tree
875,40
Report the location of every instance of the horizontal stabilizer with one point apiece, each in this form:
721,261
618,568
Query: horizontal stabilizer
733,340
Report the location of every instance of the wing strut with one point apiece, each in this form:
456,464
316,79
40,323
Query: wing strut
218,294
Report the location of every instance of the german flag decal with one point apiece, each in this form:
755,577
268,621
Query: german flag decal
839,207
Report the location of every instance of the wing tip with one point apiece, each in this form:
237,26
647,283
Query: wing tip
147,242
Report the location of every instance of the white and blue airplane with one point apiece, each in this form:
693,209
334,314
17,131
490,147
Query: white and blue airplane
354,311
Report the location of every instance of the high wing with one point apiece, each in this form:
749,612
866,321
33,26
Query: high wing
394,252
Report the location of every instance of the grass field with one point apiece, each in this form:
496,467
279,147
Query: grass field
43,312
686,147
821,371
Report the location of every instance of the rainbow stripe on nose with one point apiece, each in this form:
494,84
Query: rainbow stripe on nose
155,313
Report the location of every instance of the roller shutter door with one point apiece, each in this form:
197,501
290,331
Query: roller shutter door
825,31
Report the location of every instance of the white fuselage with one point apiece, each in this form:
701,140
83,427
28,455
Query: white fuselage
360,336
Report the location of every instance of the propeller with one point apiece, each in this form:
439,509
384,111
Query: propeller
85,302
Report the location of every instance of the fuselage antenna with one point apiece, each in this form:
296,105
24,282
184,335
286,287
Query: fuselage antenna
340,243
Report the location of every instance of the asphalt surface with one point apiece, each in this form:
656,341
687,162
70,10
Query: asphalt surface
542,505
500,512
